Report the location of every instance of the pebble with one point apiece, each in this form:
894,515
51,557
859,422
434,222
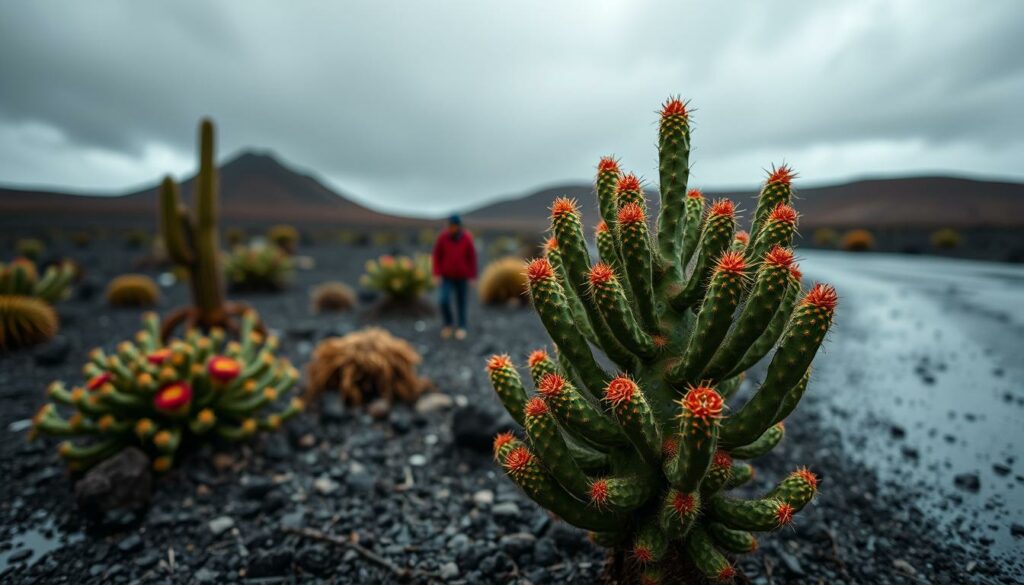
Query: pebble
505,509
449,570
417,460
483,498
221,524
325,485
433,402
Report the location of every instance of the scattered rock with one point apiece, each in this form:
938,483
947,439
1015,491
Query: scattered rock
968,482
221,524
325,485
123,481
505,509
448,571
904,567
1017,530
378,409
270,563
433,402
474,428
483,498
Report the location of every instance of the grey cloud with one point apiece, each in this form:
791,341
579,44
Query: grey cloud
432,106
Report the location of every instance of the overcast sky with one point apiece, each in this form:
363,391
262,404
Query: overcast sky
424,107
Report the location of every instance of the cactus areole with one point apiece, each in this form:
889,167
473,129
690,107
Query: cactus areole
644,453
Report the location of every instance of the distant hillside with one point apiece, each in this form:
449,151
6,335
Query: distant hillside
921,202
254,187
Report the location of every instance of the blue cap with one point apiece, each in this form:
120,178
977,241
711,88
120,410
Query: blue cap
455,220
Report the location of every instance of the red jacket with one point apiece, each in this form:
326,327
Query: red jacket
455,257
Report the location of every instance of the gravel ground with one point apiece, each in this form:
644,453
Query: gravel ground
342,498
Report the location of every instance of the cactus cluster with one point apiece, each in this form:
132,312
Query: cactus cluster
157,395
285,237
192,243
402,279
644,455
258,267
26,313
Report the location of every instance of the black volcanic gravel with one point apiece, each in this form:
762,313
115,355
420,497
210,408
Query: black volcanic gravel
400,488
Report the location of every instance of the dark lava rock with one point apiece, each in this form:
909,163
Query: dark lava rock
53,353
1017,530
121,482
315,559
474,428
332,409
256,486
270,563
130,544
968,481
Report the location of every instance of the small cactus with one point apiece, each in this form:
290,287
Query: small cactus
946,239
133,290
285,237
26,315
504,281
25,321
332,297
31,248
857,241
364,366
265,268
157,396
402,279
644,455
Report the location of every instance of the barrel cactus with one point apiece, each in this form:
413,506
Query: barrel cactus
644,456
27,316
157,395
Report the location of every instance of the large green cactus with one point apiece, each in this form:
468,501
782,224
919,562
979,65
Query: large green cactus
193,244
643,454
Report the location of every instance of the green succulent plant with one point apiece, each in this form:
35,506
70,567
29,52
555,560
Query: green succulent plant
644,455
267,268
401,279
158,396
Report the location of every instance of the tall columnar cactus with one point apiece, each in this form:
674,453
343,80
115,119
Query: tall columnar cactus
156,396
193,244
644,454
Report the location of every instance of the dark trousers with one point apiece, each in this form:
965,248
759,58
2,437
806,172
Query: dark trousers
458,286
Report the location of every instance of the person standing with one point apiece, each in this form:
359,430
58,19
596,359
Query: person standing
454,264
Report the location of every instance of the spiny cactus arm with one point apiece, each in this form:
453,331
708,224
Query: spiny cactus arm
507,385
730,539
608,175
522,467
54,285
777,189
757,515
707,558
778,230
739,241
673,173
579,314
589,459
765,443
766,341
210,290
729,386
797,490
741,474
650,543
620,493
719,473
637,260
770,287
715,238
505,443
551,450
607,248
549,301
540,364
607,293
690,237
699,421
19,278
173,220
236,432
576,414
804,334
793,398
678,511
713,319
565,224
635,417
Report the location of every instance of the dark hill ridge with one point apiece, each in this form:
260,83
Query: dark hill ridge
257,188
891,203
253,187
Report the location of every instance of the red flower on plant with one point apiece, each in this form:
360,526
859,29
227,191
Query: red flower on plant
223,368
173,397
